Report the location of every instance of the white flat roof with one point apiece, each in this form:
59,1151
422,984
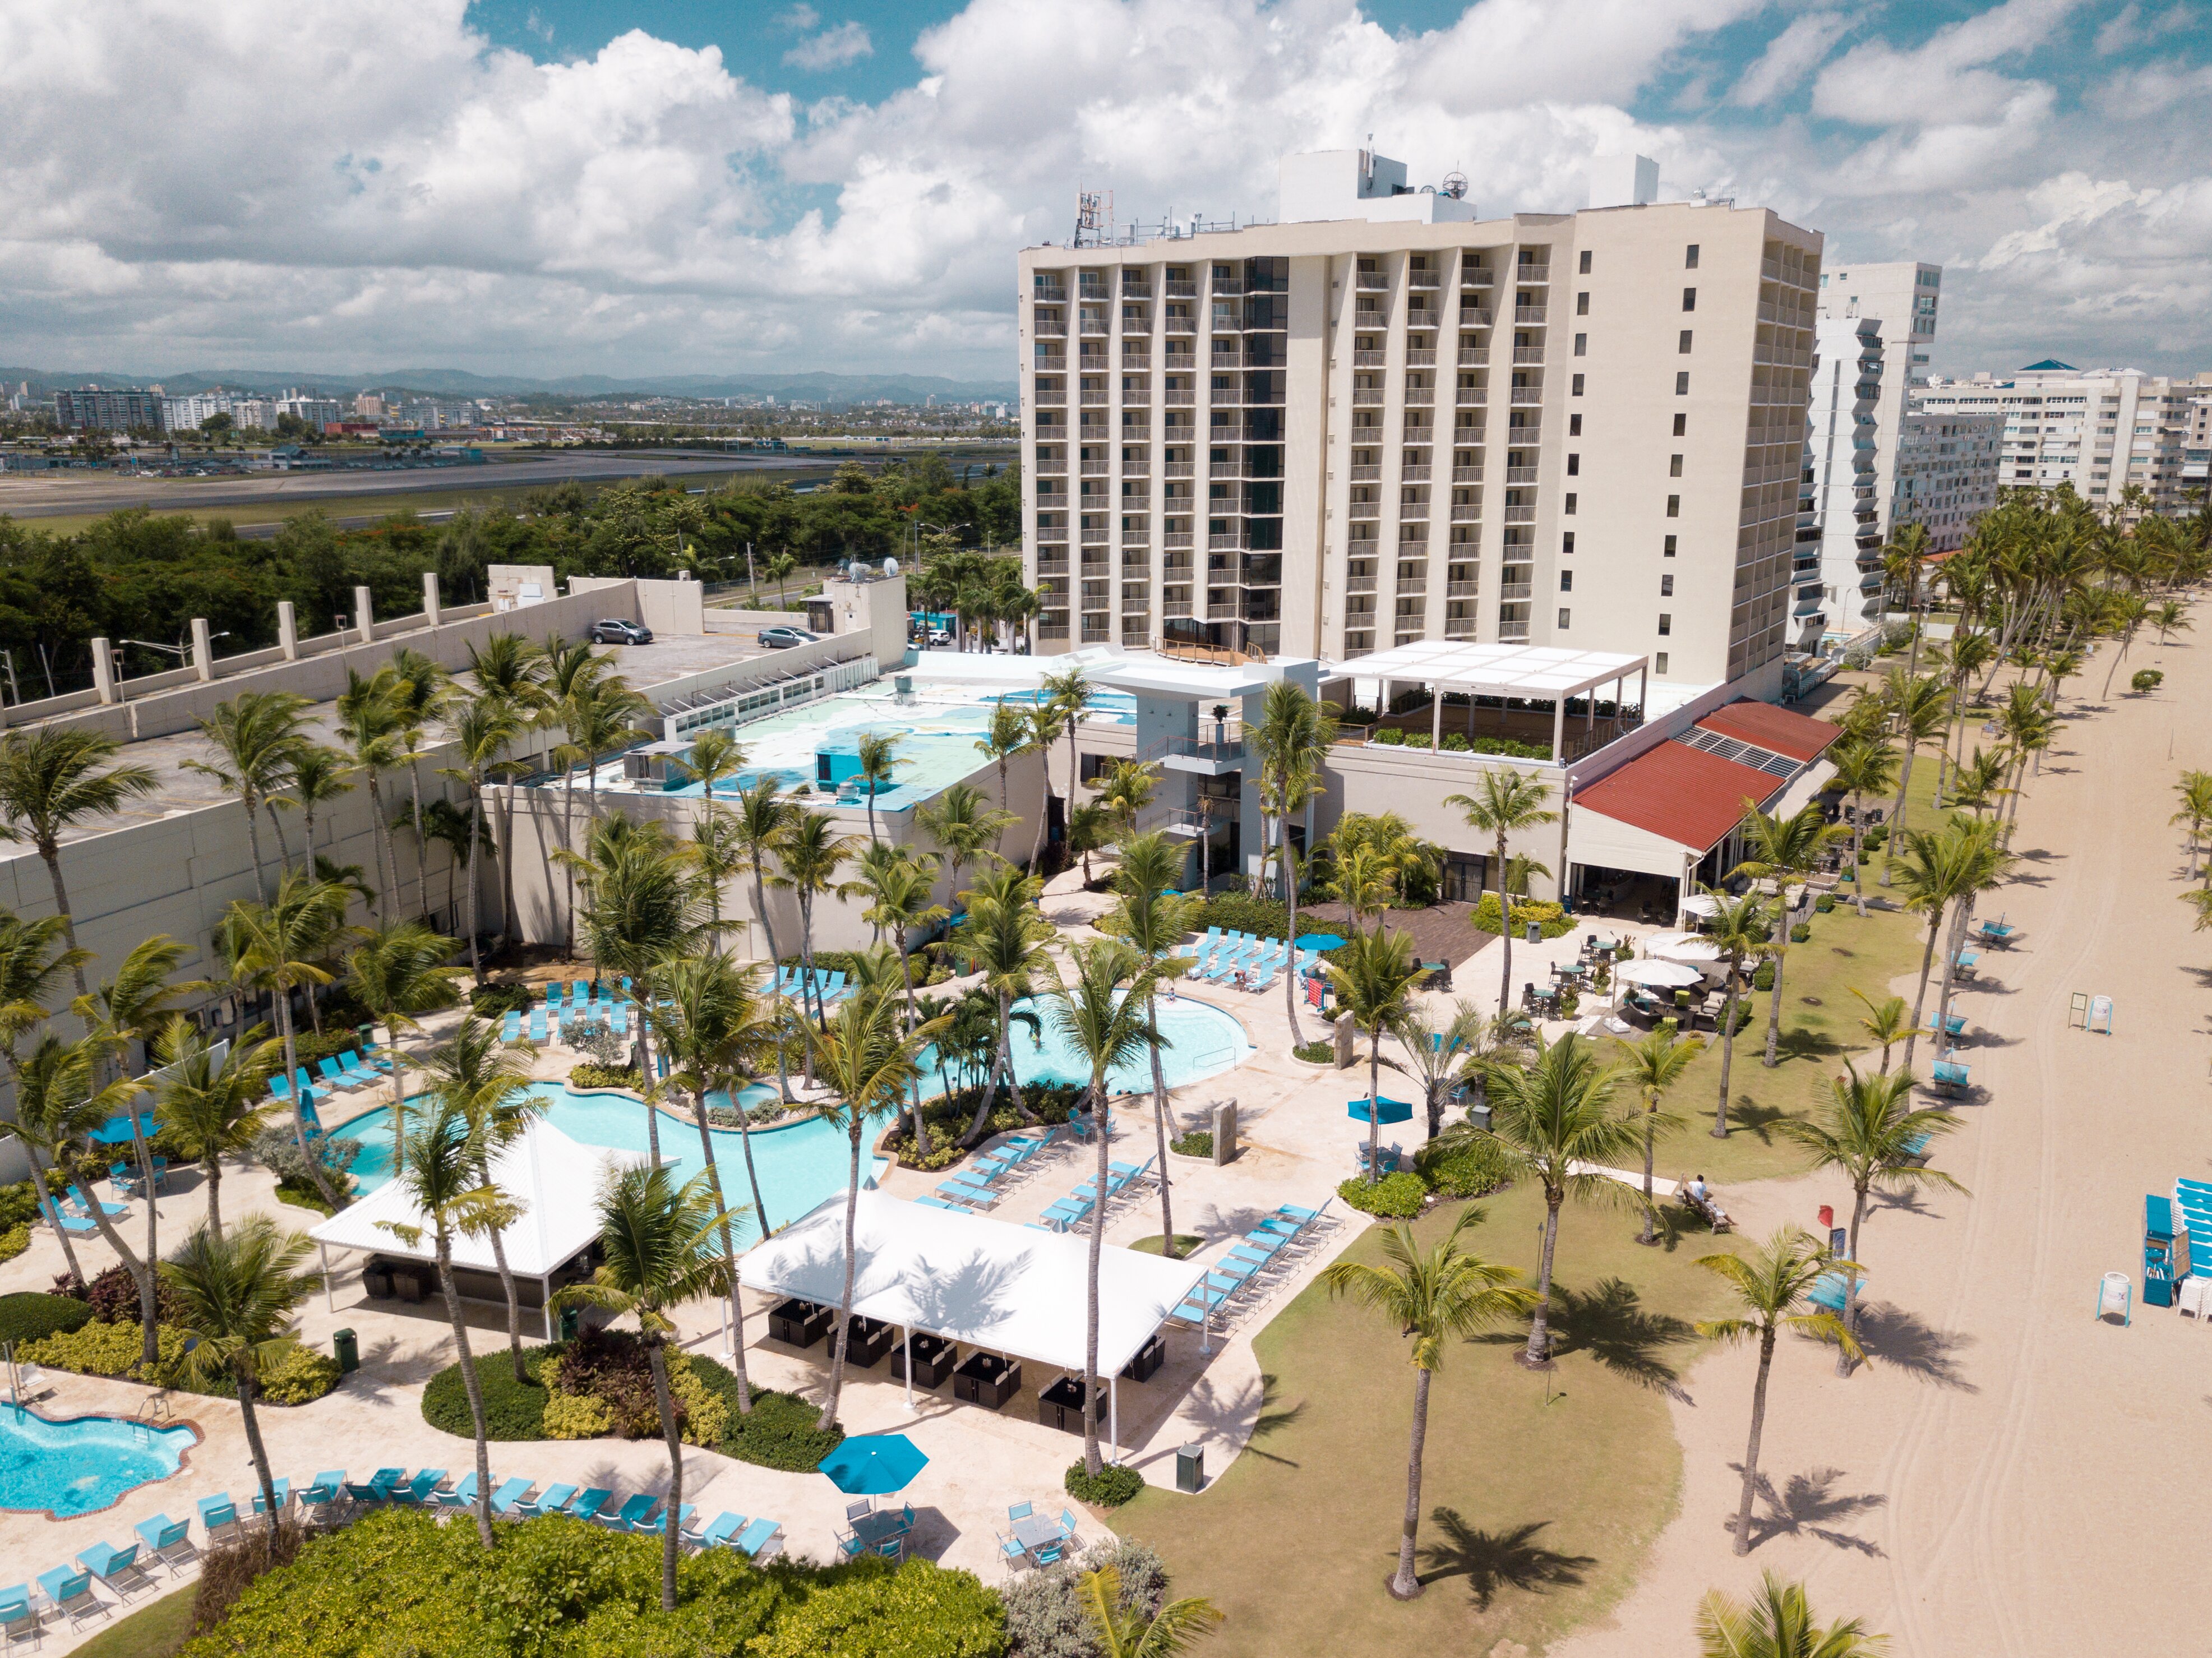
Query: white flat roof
1543,673
556,1180
1165,676
967,1278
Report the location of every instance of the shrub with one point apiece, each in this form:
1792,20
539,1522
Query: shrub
598,1039
1323,1052
512,1410
1045,1618
780,1431
495,1001
1418,739
396,1581
19,1204
1762,977
1396,1197
1570,1001
298,1377
2149,679
305,1194
1390,737
1456,743
1800,932
15,1240
572,1416
1240,912
587,1076
28,1316
1548,916
1112,1488
1825,903
1466,1169
276,1150
1510,749
703,1417
1199,1143
113,1295
226,1573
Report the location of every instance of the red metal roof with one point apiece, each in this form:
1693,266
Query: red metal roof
1796,735
1681,793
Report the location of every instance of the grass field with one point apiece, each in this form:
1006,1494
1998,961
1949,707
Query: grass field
1541,1492
156,1630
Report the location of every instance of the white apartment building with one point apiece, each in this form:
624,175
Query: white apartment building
2101,429
1386,419
2197,446
1838,565
1903,296
1947,474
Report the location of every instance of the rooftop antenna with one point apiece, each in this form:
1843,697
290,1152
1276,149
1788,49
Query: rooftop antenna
1094,213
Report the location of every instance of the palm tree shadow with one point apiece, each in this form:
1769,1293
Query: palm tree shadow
1798,1043
1220,1411
1903,1341
1746,1115
1612,1325
1810,1506
1490,1561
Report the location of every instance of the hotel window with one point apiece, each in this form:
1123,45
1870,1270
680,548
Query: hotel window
1684,346
1690,262
1564,615
1666,586
1669,552
1575,387
1571,504
1682,384
1674,507
1566,581
1666,627
1584,266
1581,304
1659,663
1682,425
1689,299
1574,466
1674,466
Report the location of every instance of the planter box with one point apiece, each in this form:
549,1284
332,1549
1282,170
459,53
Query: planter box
932,1360
799,1323
986,1380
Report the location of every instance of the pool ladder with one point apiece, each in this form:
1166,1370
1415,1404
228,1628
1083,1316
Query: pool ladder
150,1418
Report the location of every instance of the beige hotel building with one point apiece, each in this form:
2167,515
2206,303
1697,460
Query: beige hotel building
1384,419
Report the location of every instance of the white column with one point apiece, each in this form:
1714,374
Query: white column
906,1360
288,630
546,1305
364,613
1559,727
1113,1413
203,650
1436,717
431,610
103,670
329,1296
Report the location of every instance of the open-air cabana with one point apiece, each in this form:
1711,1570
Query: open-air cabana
976,1282
1511,673
556,1182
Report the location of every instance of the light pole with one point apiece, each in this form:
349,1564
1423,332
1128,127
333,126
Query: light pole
181,651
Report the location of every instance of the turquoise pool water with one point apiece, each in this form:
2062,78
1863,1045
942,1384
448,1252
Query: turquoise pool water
82,1465
800,1164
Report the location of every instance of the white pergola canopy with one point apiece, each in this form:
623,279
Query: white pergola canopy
556,1182
1541,673
1007,1288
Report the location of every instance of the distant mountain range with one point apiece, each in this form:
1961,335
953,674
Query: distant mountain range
816,387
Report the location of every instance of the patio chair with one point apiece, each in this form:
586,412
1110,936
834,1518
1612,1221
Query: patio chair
282,1488
117,1568
833,990
979,1197
725,1527
1024,1510
618,1021
940,1203
553,993
463,1496
552,1500
126,1180
164,1539
325,1489
580,990
856,1512
1068,1528
758,1535
376,1488
19,1619
892,1547
334,1074
71,1594
587,1506
106,1208
659,1524
420,1489
538,1025
510,1494
218,1515
1047,1554
632,1514
279,1089
510,1027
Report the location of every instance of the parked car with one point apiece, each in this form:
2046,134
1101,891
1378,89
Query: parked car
615,632
939,638
783,638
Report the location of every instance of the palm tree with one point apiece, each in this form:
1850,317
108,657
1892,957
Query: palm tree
965,827
33,959
1124,1631
570,670
1292,741
1770,1284
1779,1623
1007,735
1505,803
56,1108
716,757
211,1108
1126,792
508,670
1104,1012
318,775
50,780
1437,1295
486,727
1652,1066
778,569
1979,783
421,692
1904,564
1783,849
1556,1123
757,826
659,1243
256,737
713,1030
2195,789
1089,828
2169,615
1915,713
236,1297
1008,943
1444,1058
868,1064
1743,930
1868,1131
1373,974
368,724
1939,871
1864,766
1048,720
601,715
397,973
489,1082
1070,691
278,948
1886,1022
809,854
443,1177
1154,924
878,755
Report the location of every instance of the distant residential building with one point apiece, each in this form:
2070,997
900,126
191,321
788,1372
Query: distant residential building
317,412
2196,447
2099,429
1902,295
257,413
91,409
1947,474
369,406
1838,565
185,414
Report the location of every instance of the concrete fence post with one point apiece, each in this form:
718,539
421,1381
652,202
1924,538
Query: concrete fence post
364,613
430,600
203,650
288,630
103,670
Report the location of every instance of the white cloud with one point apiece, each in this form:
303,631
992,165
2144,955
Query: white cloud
1789,58
833,48
272,186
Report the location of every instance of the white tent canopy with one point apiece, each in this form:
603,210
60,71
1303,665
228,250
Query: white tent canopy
555,1180
1658,974
1682,947
1703,905
1007,1288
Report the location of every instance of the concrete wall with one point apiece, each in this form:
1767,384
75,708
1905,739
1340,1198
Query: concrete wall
666,607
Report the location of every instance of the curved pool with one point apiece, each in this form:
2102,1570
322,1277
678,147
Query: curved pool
83,1464
800,1163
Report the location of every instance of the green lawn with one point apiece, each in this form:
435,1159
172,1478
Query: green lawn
1542,1492
155,1630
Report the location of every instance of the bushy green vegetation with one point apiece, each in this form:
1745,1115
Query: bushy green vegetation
589,1076
1112,1488
1395,1197
494,1001
1321,1051
1240,912
1549,916
29,1315
1471,1169
397,1581
1199,1143
96,1348
780,1431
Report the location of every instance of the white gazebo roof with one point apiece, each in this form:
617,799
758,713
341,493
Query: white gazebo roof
1543,673
555,1180
1009,1289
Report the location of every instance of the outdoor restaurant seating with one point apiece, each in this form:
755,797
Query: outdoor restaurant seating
800,1323
986,1379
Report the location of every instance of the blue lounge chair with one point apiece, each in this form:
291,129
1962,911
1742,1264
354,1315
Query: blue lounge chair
165,1538
1954,1024
587,1506
1828,1293
1949,1077
725,1527
634,1511
279,1089
659,1524
106,1208
758,1535
618,1021
377,1488
580,990
327,1488
71,1594
982,1197
117,1568
284,1490
510,1494
553,993
551,1501
510,1029
463,1496
218,1514
17,1620
421,1489
1067,1213
333,1074
538,1025
832,990
940,1203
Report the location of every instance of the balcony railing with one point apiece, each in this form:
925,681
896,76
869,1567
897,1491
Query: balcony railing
1532,273
1516,593
1373,282
1050,502
1469,355
1520,475
1420,397
1360,584
1462,589
1136,397
1467,511
1530,314
1370,359
1227,749
1424,357
1093,399
1361,511
1179,398
1225,397
1527,354
1181,325
1365,472
1476,275
1229,543
1175,538
1135,289
1474,316
1094,468
1095,537
1051,328
1471,397
1096,325
1519,514
1367,396
1412,475
1527,396
1467,475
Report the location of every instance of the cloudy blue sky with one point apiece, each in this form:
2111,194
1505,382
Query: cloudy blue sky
622,186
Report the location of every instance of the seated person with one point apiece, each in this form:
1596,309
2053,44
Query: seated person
1698,1192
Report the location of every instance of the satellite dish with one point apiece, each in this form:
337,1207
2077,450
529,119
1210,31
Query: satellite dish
890,567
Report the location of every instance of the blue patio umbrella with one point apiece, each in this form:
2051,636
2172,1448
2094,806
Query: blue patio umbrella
1319,941
116,1131
1385,1110
872,1465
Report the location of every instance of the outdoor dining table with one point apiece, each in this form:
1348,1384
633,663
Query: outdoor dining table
880,1526
1034,1531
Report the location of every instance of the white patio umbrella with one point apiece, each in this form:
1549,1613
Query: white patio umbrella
1703,905
1682,947
1658,975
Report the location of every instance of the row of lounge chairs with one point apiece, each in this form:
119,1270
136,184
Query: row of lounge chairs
1255,1264
581,996
1084,1205
545,1025
1245,959
796,984
990,1174
351,1069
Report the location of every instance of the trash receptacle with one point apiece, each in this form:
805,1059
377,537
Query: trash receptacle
570,1316
346,1350
1536,933
1190,1468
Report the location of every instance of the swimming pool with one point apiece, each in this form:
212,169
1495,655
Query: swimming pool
83,1464
800,1163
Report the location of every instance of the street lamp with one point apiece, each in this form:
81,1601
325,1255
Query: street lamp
181,651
